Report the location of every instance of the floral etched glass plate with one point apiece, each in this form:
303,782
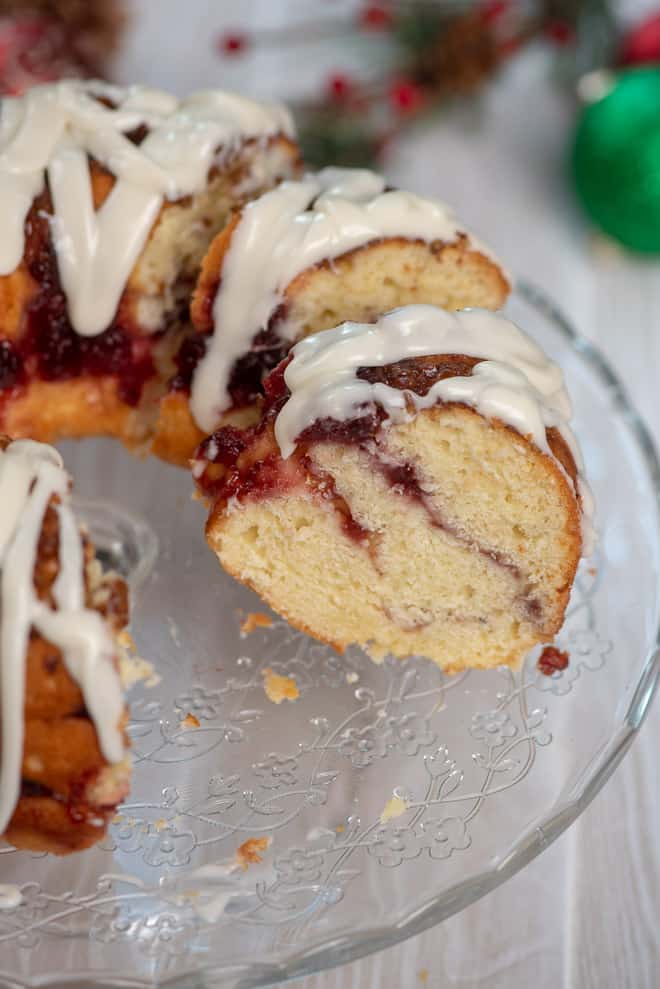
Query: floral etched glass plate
382,799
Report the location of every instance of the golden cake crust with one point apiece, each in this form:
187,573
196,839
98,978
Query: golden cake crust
72,409
41,824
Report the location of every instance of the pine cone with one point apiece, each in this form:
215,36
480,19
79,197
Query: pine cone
91,28
460,58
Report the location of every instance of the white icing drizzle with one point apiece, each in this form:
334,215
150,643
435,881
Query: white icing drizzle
515,381
53,130
283,233
30,475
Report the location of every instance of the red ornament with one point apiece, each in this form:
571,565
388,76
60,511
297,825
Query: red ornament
375,18
406,96
339,87
561,32
642,45
232,44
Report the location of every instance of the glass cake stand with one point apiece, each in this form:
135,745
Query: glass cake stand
389,797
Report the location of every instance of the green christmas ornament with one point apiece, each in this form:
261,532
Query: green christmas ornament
616,158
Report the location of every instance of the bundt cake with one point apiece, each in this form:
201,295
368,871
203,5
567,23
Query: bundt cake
408,482
63,758
111,197
301,258
413,486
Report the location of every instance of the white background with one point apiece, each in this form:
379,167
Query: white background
585,914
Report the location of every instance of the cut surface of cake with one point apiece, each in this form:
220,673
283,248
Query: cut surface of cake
334,246
110,197
64,765
413,486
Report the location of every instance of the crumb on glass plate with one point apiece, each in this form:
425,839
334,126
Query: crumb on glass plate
135,669
254,620
279,688
249,853
395,807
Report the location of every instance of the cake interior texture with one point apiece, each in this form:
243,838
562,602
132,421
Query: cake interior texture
452,538
443,532
394,272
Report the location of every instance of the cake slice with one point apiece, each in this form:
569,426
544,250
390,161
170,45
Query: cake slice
111,196
338,245
413,486
64,765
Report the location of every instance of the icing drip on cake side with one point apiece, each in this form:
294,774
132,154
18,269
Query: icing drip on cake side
285,232
514,382
30,475
53,130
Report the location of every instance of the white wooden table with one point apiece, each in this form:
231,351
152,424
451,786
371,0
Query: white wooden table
584,914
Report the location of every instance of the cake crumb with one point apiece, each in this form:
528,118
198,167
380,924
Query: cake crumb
135,669
249,853
190,721
395,807
254,620
125,639
279,688
423,975
340,829
174,631
551,660
352,677
160,824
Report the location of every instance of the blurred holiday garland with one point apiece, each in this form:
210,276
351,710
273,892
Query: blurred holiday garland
438,50
435,51
443,49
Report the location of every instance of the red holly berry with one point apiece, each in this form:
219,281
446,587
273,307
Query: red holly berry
560,32
406,96
375,18
232,44
492,10
509,46
339,87
642,45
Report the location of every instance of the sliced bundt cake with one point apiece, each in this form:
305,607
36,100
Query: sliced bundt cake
412,486
302,258
63,758
110,199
